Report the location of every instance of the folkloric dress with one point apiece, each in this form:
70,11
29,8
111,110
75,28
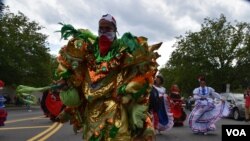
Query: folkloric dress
176,108
207,110
160,108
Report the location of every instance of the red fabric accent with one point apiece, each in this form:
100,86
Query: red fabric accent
3,113
104,45
156,120
247,102
1,83
53,104
176,108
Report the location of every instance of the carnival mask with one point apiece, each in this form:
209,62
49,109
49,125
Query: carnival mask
105,41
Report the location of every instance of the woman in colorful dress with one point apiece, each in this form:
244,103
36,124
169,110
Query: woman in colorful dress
208,110
176,102
106,82
159,106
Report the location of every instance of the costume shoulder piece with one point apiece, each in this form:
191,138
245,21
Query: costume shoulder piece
138,50
77,45
72,55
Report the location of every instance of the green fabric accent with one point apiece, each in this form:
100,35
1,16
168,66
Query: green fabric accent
68,30
142,91
24,93
70,97
111,54
113,131
99,138
65,74
104,68
30,99
122,89
127,43
93,138
28,89
148,132
130,41
64,116
138,115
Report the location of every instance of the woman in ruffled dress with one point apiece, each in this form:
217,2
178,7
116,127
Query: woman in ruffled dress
159,106
207,110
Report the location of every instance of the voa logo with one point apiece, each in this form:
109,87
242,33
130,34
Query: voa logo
236,132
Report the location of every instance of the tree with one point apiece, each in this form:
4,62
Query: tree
218,52
23,53
1,7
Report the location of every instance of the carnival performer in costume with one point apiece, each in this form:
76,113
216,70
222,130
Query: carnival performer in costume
106,82
159,106
176,102
207,110
3,112
51,104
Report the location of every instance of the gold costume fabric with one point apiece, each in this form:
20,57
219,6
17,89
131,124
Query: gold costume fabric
107,96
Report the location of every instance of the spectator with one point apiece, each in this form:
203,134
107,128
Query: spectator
247,104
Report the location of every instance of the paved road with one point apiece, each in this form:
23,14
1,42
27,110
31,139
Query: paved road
32,126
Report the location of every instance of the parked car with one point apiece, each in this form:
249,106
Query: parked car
237,105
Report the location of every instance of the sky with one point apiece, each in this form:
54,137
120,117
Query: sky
159,20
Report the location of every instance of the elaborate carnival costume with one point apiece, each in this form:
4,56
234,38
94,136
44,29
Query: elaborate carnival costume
3,112
160,109
106,87
176,106
209,108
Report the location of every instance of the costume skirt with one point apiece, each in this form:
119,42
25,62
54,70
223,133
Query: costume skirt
203,117
3,116
163,118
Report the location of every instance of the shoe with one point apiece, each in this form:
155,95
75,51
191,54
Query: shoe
205,133
246,120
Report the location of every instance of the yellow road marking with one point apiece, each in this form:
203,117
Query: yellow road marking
15,128
18,120
51,133
44,132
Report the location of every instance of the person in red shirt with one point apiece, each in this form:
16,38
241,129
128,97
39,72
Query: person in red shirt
247,104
